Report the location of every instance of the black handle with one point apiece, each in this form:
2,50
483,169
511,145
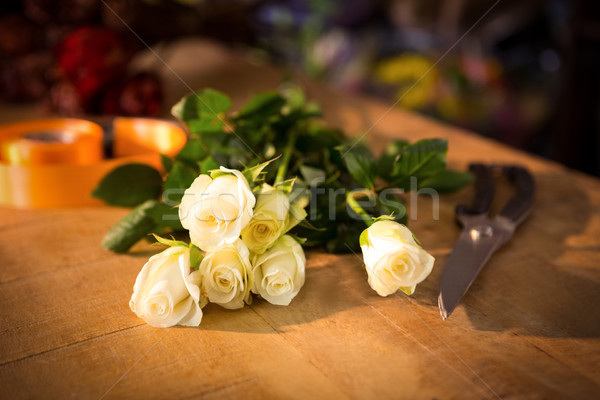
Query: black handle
520,205
484,191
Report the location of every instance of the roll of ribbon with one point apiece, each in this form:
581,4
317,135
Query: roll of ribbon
51,141
58,162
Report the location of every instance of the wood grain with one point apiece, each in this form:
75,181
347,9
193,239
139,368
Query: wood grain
529,327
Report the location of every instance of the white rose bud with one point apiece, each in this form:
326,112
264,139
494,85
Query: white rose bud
166,292
227,275
279,273
393,258
216,210
268,222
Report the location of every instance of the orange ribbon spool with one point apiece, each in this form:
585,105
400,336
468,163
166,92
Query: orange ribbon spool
58,162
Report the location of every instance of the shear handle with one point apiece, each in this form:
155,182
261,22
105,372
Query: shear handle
520,205
484,191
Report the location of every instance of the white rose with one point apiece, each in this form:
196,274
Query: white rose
216,210
268,222
227,276
393,258
166,292
273,216
279,273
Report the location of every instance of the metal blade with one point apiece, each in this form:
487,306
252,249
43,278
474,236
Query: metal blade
470,253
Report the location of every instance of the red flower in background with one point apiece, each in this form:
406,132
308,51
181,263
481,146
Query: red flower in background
90,58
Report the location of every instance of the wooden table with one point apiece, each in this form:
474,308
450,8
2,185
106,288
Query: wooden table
529,327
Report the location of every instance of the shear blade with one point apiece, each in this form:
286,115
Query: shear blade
473,249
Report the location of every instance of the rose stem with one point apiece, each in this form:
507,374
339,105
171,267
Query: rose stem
285,159
351,200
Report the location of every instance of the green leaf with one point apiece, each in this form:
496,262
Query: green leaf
169,242
252,174
261,105
207,102
130,229
208,164
203,112
360,163
192,152
215,173
255,123
298,239
214,101
129,185
363,239
385,164
447,181
285,187
416,239
421,159
408,290
167,162
164,216
180,178
316,137
195,257
384,217
205,124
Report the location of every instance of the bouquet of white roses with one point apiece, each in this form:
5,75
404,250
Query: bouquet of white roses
246,235
239,245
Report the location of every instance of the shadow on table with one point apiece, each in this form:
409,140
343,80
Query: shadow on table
567,308
542,283
551,286
325,293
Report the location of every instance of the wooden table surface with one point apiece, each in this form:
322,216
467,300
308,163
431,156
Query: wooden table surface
529,327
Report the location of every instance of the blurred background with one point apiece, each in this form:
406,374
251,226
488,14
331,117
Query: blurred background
522,72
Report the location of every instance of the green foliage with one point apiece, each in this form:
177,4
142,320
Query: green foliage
363,239
263,105
195,253
316,166
169,242
164,216
204,110
205,124
253,174
129,185
208,164
193,151
130,229
149,217
385,164
180,177
421,159
286,186
167,162
360,163
195,257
